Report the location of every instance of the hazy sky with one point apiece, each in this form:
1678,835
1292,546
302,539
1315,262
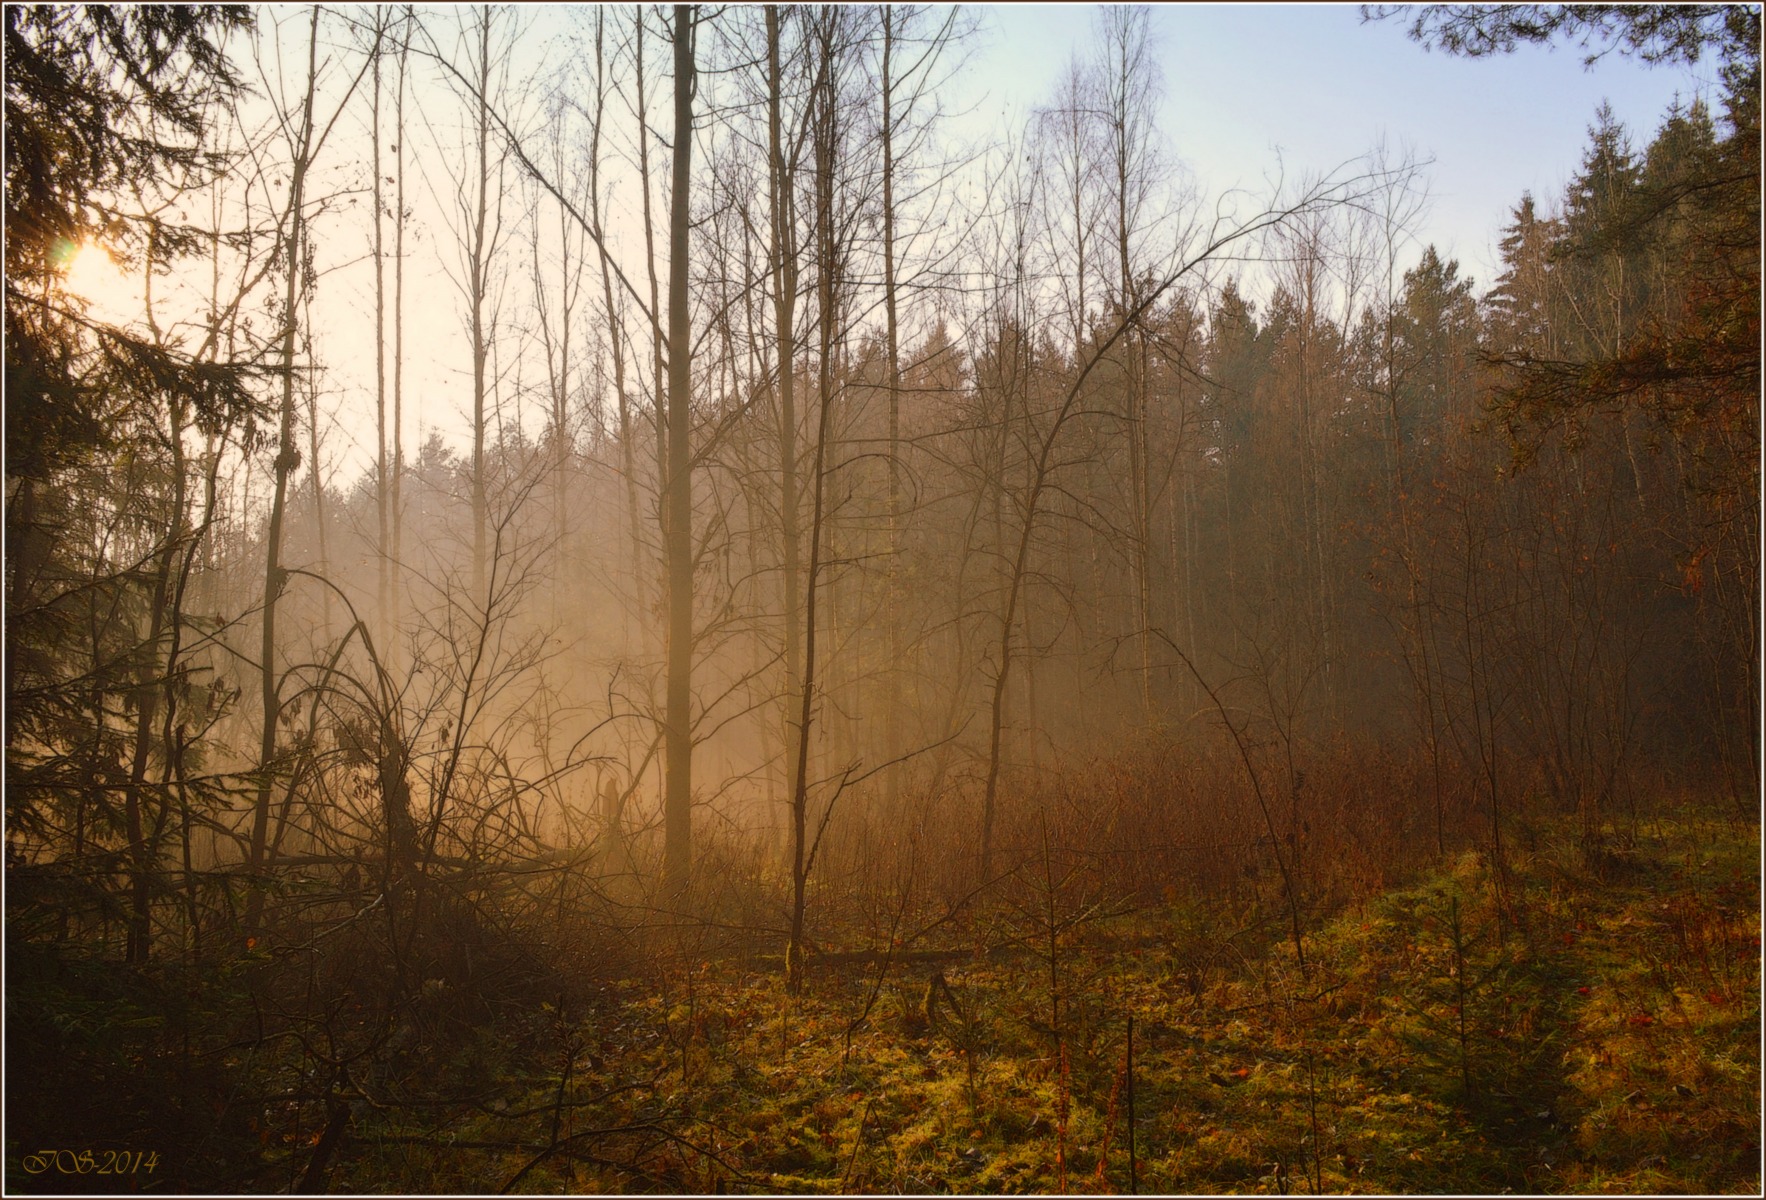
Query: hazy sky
1248,90
1315,82
1253,89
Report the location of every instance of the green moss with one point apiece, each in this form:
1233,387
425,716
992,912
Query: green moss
1584,1027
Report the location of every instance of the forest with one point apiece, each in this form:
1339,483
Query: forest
605,599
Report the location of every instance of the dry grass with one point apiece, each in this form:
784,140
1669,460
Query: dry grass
1586,1020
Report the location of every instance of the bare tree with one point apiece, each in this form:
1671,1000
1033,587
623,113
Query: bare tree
783,257
556,312
828,37
1127,90
398,307
678,480
1044,465
613,310
307,136
912,50
381,30
479,200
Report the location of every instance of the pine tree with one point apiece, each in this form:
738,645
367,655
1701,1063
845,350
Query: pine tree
1518,305
109,496
1436,332
100,101
97,99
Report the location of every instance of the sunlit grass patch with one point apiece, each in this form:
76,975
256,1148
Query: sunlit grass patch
1537,1029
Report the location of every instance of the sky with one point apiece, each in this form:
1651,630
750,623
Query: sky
1315,83
1248,90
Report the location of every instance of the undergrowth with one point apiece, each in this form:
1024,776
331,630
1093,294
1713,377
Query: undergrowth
1585,1019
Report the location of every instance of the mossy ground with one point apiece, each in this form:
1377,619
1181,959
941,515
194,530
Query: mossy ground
1588,1020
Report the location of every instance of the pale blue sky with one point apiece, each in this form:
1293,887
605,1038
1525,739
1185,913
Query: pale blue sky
1239,81
1242,80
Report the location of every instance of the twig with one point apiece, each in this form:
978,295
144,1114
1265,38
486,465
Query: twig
1262,803
543,1152
907,892
857,1141
1134,1179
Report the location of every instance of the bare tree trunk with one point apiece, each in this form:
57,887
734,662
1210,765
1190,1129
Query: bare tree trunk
892,346
306,139
658,369
825,136
383,591
1126,84
781,184
172,737
143,848
477,289
615,325
398,337
287,460
313,472
554,320
1074,120
1140,544
678,801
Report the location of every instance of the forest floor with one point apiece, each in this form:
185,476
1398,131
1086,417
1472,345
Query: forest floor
1576,1026
1589,1021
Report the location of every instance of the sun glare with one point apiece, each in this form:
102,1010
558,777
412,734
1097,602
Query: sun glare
92,274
